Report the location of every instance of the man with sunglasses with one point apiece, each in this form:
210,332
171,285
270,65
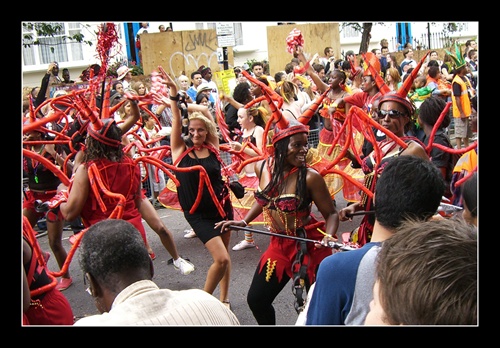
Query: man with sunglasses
395,114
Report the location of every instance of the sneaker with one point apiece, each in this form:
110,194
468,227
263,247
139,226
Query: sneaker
64,284
244,245
190,234
184,266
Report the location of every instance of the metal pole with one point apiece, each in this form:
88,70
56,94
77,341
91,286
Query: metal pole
225,58
272,234
429,35
334,245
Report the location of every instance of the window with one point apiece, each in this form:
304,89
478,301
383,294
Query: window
64,50
350,32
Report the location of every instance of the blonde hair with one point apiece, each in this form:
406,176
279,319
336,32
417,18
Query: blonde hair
394,73
136,85
288,90
121,109
259,114
209,124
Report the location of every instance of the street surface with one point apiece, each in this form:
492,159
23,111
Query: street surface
244,263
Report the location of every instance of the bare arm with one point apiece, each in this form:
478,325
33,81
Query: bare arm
177,144
135,115
78,194
231,101
322,86
201,108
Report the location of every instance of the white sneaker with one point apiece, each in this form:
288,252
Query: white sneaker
190,234
244,245
184,266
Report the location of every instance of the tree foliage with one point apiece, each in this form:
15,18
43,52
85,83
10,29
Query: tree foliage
44,30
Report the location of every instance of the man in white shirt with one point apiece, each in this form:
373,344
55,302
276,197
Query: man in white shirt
120,281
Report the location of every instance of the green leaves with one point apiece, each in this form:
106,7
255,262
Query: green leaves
33,32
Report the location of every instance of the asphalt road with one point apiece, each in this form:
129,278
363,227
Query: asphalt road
244,263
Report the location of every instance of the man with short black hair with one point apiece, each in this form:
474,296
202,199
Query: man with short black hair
344,281
119,273
196,80
66,77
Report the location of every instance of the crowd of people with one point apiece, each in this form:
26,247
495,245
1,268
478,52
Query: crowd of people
97,163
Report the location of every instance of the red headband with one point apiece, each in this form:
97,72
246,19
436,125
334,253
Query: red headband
280,134
395,97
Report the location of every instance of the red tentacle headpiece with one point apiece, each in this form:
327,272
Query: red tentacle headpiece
373,69
100,134
401,95
107,37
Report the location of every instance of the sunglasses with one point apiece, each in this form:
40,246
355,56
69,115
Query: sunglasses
391,113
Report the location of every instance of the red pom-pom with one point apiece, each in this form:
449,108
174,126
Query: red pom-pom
294,39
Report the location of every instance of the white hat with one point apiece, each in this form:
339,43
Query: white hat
203,87
122,71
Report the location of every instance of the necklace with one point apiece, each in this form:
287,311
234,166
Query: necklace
369,102
35,163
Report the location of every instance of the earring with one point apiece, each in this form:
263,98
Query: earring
89,289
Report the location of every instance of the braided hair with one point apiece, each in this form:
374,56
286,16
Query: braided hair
277,183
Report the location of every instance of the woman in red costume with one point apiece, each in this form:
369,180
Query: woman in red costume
287,189
42,186
44,303
333,120
119,174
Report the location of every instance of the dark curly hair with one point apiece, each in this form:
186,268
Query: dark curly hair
242,93
431,109
94,149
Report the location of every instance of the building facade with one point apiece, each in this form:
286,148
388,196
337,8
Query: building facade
250,40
